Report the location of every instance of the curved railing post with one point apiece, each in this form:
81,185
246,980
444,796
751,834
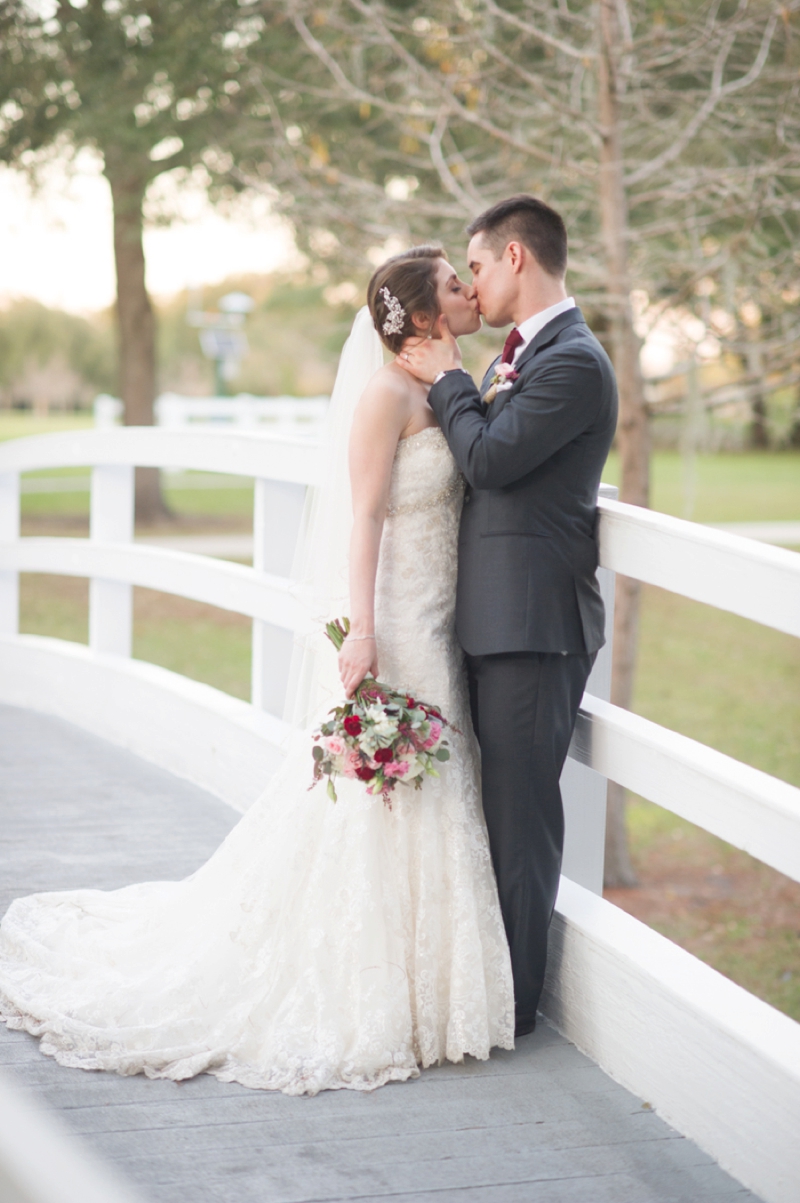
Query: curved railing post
9,533
277,511
111,602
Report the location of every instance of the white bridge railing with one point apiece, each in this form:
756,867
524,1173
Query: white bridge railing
721,1066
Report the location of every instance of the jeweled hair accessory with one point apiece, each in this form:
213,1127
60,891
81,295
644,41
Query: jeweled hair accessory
397,314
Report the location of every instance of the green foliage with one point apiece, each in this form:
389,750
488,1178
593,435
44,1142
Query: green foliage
31,335
124,75
295,339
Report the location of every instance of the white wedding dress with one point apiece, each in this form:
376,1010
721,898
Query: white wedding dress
323,945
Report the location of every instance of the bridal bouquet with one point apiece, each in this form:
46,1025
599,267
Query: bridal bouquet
382,737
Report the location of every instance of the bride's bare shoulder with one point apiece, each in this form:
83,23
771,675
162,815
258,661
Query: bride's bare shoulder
387,399
389,383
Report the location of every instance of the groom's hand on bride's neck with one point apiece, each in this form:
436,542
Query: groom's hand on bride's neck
425,358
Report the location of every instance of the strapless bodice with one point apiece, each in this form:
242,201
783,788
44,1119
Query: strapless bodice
416,584
424,475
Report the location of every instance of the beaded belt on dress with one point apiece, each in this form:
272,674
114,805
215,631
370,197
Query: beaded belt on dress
430,503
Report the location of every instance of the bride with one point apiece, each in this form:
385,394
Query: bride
324,945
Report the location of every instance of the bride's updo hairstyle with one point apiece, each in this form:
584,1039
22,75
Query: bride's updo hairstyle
410,279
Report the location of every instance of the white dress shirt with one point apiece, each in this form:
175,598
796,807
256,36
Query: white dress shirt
532,325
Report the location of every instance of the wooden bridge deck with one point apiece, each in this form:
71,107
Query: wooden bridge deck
539,1125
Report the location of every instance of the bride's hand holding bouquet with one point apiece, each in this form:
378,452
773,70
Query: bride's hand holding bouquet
383,737
358,658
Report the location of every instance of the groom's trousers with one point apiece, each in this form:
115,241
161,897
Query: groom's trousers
524,706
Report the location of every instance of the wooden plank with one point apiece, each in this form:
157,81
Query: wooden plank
723,570
542,1123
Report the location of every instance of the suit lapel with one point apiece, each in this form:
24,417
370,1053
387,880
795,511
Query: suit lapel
548,333
543,339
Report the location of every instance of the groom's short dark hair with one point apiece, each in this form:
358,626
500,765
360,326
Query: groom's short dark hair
530,221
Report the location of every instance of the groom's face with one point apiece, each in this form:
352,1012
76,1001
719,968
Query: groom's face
494,281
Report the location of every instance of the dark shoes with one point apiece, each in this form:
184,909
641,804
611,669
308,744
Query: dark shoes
523,1026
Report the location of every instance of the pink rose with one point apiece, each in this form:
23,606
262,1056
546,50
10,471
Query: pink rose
352,763
396,768
506,370
435,735
335,745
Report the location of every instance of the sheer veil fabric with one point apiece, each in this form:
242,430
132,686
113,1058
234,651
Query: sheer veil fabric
323,946
320,570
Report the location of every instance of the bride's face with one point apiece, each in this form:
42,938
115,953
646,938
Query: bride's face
457,300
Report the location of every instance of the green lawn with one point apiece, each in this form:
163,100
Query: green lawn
735,686
733,912
721,679
750,486
199,641
19,424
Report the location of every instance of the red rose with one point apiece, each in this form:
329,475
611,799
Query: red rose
383,755
410,703
365,773
352,724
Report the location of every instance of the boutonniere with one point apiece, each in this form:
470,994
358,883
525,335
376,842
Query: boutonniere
504,377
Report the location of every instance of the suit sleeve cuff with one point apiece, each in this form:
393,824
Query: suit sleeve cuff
447,372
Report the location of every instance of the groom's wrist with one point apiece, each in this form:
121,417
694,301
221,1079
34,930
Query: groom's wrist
447,372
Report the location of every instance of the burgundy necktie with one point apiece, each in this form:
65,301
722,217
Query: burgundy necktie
513,341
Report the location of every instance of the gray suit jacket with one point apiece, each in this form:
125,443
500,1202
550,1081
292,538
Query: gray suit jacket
532,460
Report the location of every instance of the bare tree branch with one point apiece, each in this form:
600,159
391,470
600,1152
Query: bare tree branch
717,92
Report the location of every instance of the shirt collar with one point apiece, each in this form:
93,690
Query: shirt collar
532,325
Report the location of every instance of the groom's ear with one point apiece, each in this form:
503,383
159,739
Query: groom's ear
516,253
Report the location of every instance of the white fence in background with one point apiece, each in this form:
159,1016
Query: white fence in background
721,1066
295,416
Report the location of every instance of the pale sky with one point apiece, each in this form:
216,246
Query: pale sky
56,246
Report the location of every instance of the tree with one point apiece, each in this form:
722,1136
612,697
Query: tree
666,135
153,86
35,339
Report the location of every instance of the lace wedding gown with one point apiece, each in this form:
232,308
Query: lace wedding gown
323,945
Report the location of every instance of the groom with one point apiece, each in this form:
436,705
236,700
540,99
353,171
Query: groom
532,445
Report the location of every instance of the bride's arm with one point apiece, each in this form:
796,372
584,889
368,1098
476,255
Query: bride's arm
379,420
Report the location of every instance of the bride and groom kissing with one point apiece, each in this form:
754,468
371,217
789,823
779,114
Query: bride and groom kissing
347,945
